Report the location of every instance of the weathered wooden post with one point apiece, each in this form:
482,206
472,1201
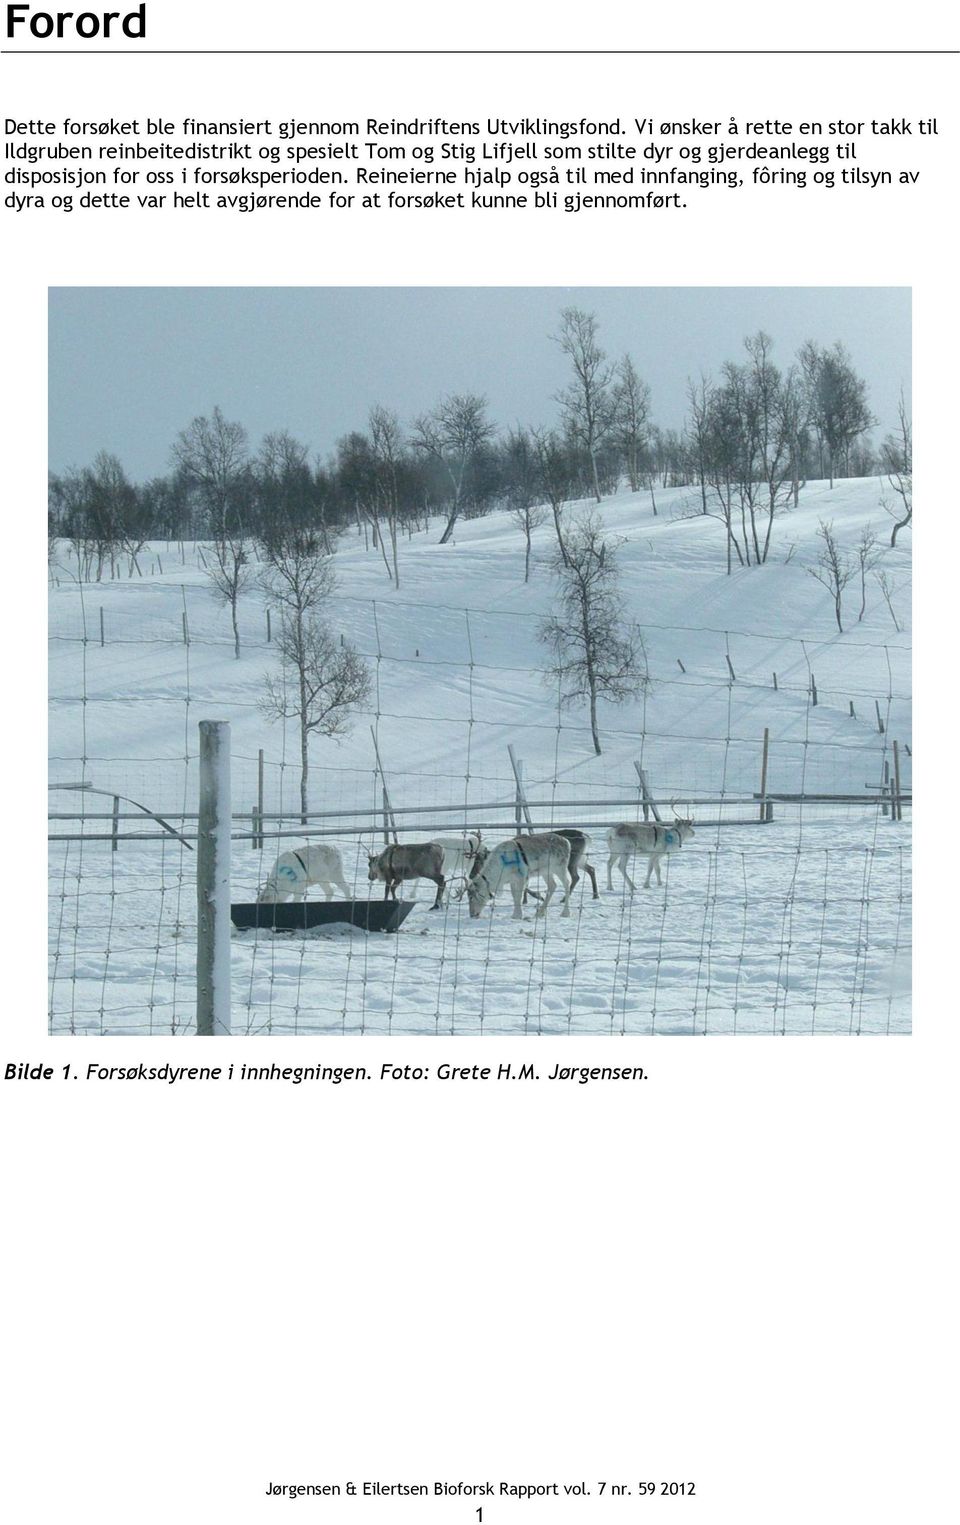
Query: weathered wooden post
650,806
269,637
101,625
879,716
813,690
213,881
763,776
389,819
116,823
898,801
522,809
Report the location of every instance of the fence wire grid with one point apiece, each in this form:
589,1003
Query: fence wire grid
797,924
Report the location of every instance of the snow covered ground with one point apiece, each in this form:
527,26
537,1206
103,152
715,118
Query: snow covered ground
798,926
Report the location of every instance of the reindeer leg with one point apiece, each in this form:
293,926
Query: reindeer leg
610,862
516,889
551,884
623,870
568,883
593,879
439,882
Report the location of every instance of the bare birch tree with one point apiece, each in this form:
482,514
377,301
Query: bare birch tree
897,457
211,457
453,437
524,488
833,569
322,683
588,402
598,652
323,680
631,418
558,476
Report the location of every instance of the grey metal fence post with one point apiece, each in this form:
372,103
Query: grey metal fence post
213,881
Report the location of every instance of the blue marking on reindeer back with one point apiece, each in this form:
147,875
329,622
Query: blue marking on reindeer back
670,837
285,871
509,860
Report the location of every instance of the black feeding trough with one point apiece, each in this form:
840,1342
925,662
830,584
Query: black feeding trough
301,915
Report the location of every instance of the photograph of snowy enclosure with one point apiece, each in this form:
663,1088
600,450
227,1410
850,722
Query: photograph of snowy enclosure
431,626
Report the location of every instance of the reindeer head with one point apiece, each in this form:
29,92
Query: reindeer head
683,824
479,858
374,867
478,892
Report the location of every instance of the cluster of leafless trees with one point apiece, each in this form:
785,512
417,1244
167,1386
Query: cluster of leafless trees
753,435
757,432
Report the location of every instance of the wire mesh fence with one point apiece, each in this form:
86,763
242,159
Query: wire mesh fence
795,924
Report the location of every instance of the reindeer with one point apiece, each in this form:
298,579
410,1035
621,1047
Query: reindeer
409,860
460,854
651,838
579,842
517,860
295,871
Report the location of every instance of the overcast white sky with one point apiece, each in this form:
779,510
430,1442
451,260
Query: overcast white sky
130,366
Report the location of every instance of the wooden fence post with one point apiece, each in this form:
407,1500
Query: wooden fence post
522,809
389,820
650,805
898,802
116,822
764,807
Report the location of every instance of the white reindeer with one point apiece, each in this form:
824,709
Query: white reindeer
517,860
295,871
652,838
460,856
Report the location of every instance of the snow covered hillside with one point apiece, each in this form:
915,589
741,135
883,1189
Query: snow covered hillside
797,925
